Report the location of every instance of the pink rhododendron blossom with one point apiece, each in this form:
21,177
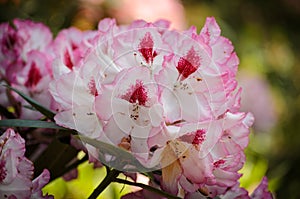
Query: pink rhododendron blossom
33,80
78,109
237,192
9,46
16,171
168,97
26,64
69,48
17,41
125,11
262,190
132,109
263,108
38,183
140,44
160,99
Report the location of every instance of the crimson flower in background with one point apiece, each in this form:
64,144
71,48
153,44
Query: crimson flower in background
16,171
126,11
26,64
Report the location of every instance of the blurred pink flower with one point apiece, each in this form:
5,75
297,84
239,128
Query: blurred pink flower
16,171
69,48
38,183
237,192
126,11
257,98
262,190
19,40
25,63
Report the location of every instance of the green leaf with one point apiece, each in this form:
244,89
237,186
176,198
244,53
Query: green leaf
48,113
121,159
30,123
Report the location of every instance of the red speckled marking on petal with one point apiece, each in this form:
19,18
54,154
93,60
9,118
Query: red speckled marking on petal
199,137
196,137
34,76
74,46
67,60
137,93
218,163
3,171
146,48
92,87
189,63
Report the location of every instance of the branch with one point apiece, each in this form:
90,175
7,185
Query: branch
144,186
111,175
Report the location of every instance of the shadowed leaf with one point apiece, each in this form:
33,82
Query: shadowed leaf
119,158
45,111
30,123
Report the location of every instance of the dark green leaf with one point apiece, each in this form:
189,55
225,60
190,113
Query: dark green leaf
48,113
122,160
30,123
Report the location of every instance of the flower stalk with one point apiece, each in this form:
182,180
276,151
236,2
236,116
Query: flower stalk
111,175
147,187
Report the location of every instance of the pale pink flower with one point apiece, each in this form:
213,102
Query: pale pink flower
130,109
17,41
228,153
33,80
127,11
261,191
237,192
213,148
25,63
169,98
74,88
34,35
224,60
9,48
69,48
38,183
76,94
140,44
16,171
263,107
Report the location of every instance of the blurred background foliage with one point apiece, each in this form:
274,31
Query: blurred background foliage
266,36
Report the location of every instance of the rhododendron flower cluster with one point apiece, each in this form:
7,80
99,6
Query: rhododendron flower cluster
16,171
168,98
27,53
